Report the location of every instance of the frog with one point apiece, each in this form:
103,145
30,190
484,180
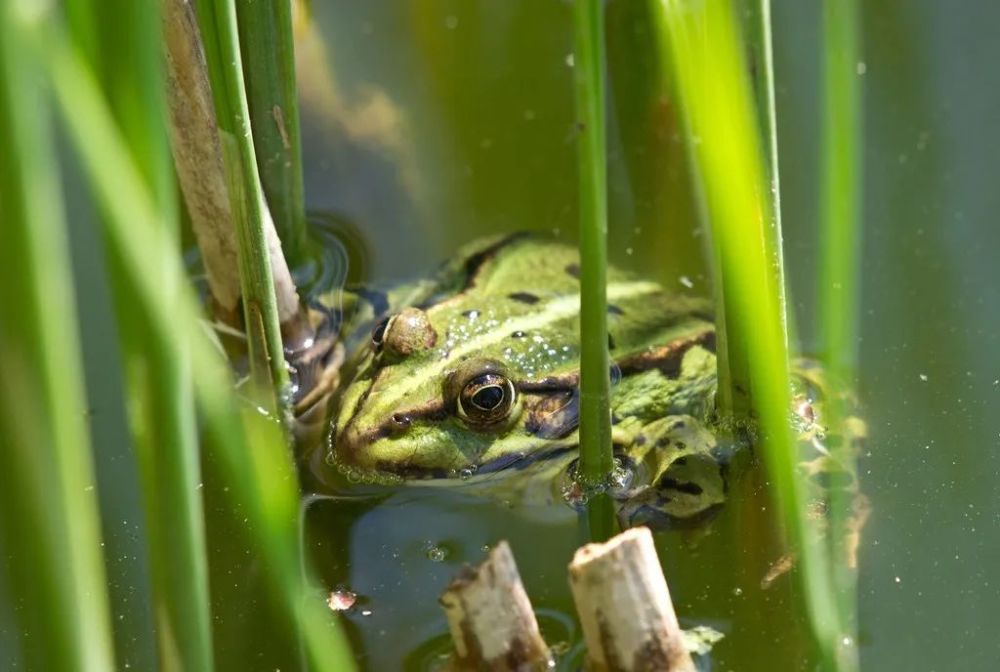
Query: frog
471,379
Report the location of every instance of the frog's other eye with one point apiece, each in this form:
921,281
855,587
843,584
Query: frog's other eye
486,399
379,331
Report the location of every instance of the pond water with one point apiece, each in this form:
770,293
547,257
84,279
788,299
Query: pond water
429,124
480,140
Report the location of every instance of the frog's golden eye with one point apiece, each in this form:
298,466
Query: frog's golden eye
486,399
379,331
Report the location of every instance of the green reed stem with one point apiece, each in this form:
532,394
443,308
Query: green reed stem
157,366
48,505
269,63
596,459
840,197
762,54
263,478
840,203
217,20
704,49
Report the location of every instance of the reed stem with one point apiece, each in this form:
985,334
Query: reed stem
840,202
262,478
707,58
48,504
217,19
157,366
269,63
596,459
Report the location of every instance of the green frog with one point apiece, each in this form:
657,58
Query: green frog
471,379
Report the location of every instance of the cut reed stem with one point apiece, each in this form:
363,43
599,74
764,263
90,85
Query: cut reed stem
269,63
596,459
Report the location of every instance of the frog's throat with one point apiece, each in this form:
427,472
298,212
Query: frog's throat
557,309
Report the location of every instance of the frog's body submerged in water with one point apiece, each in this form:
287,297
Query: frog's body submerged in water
477,372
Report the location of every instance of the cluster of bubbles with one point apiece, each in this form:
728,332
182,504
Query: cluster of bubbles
435,552
622,477
467,326
534,354
359,476
530,354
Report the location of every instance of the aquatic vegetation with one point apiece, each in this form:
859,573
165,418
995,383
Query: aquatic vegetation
675,136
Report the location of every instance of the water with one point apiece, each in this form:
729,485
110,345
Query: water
438,122
484,91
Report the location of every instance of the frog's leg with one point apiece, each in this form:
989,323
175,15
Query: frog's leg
825,467
679,478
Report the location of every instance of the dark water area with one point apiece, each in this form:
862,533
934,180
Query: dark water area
429,124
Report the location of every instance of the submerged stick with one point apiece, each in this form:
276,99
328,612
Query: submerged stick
491,620
624,605
198,155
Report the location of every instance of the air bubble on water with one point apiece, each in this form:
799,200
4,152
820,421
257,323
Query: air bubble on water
366,612
569,59
435,553
629,251
737,591
485,548
451,22
687,282
467,472
621,476
923,377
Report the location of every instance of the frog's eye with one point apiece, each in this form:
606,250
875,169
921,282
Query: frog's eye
379,331
486,399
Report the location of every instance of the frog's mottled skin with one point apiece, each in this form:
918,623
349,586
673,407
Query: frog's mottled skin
505,316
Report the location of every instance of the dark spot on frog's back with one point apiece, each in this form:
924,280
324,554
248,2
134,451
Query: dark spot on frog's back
573,270
667,358
690,488
475,263
524,297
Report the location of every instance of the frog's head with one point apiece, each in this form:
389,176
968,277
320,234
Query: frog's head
447,388
465,379
488,374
